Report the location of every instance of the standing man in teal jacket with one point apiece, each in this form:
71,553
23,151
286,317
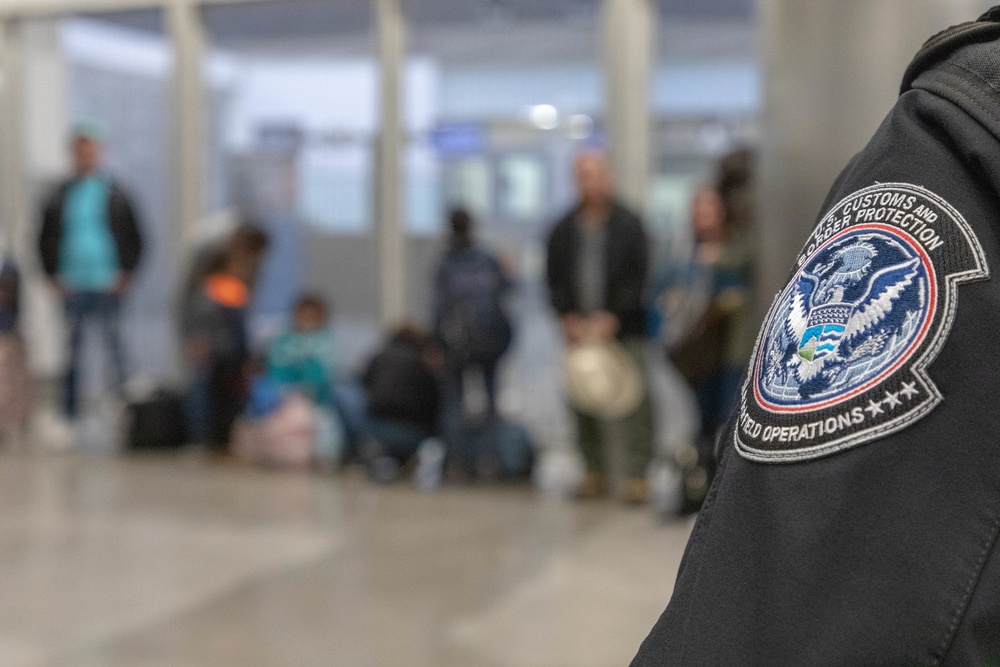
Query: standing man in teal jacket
90,246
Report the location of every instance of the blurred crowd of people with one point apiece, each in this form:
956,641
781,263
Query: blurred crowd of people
428,399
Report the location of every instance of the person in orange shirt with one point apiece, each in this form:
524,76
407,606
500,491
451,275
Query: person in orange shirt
215,339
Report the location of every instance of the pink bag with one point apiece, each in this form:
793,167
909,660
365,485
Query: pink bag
285,438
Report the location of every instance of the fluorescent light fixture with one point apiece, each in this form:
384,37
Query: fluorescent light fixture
544,116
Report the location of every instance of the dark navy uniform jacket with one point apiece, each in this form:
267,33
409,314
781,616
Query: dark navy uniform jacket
855,513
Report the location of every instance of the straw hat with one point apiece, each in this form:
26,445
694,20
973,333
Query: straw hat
603,381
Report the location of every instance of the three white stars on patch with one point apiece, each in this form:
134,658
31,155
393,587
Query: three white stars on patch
892,399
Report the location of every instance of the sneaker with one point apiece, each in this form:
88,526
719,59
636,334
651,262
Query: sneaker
636,491
594,485
53,432
430,465
666,488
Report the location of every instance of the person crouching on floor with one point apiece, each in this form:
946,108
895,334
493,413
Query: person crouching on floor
403,388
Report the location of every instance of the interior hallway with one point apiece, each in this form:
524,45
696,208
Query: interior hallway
158,562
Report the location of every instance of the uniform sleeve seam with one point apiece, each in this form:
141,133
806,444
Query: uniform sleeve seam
970,587
958,91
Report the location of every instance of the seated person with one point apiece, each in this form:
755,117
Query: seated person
302,360
303,357
403,388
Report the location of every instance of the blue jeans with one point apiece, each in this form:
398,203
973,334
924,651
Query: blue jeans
398,439
105,309
214,401
351,404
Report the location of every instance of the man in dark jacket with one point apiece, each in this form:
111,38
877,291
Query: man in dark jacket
855,512
90,246
598,257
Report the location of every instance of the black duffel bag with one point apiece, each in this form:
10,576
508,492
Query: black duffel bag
157,422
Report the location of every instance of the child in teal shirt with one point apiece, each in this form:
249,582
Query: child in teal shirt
303,360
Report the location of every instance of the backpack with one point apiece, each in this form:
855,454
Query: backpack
498,450
472,322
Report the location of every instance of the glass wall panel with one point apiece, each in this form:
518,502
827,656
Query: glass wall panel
298,126
498,98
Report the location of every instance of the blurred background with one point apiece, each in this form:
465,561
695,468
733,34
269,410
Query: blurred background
349,130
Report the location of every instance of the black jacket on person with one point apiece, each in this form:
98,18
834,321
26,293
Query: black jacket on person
627,263
121,218
400,386
855,514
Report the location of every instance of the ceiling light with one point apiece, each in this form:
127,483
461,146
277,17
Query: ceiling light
544,116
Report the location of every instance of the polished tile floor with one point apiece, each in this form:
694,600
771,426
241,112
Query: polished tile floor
161,563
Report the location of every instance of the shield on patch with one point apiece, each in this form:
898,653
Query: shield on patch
819,341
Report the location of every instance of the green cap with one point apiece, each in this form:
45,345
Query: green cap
88,129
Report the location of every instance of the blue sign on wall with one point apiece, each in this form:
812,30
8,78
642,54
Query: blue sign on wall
459,139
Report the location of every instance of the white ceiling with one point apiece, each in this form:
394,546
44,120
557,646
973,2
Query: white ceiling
283,19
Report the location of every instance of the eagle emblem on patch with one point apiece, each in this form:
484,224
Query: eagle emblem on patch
842,354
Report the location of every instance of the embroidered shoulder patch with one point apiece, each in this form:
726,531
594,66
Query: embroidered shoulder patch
842,355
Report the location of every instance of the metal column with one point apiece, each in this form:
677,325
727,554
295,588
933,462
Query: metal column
189,110
388,180
629,37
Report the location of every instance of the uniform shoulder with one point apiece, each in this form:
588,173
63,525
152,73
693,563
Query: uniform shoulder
970,46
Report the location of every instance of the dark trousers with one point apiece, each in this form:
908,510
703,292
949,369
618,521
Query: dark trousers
104,309
215,399
454,417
